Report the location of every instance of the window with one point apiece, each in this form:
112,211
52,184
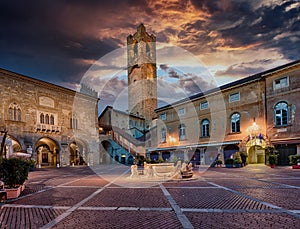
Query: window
148,52
163,135
47,119
235,123
182,132
14,112
163,116
205,128
203,105
42,118
234,97
73,122
51,120
181,111
281,83
281,114
135,49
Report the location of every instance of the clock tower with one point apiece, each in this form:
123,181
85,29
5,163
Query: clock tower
142,79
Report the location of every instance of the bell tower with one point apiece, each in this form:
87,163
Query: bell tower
142,79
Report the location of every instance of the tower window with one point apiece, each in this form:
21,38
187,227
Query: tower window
135,49
148,51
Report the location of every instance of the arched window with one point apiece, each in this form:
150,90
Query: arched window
235,121
148,50
163,135
51,120
135,49
281,114
73,122
47,119
205,128
42,118
182,135
14,112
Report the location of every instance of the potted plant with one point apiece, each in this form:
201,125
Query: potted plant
229,162
14,173
237,160
295,161
244,158
219,163
273,160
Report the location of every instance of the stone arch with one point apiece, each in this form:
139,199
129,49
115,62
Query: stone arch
229,150
254,147
116,153
78,152
47,152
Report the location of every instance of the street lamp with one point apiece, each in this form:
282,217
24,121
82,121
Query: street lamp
172,140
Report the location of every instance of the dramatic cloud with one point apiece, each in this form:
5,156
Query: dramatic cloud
58,41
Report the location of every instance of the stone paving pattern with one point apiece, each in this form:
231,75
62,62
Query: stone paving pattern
255,196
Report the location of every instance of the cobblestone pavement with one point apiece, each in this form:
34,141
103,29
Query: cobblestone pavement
255,196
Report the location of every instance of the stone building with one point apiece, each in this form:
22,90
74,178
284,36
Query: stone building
111,118
54,126
247,115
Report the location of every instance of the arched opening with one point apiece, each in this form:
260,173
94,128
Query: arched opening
256,155
229,150
47,152
166,155
130,160
154,156
77,156
255,147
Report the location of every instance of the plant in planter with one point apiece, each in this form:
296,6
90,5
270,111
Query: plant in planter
14,172
237,160
273,160
219,163
244,158
271,156
295,161
229,162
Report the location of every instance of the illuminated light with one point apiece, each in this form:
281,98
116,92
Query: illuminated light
172,140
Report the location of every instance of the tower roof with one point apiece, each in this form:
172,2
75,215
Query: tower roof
141,35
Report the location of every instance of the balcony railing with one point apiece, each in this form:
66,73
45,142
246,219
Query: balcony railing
47,128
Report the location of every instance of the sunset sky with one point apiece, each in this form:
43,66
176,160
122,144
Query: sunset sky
58,41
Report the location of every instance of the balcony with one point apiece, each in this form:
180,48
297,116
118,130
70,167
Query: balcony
48,128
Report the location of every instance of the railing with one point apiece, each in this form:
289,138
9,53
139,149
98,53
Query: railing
47,128
128,142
